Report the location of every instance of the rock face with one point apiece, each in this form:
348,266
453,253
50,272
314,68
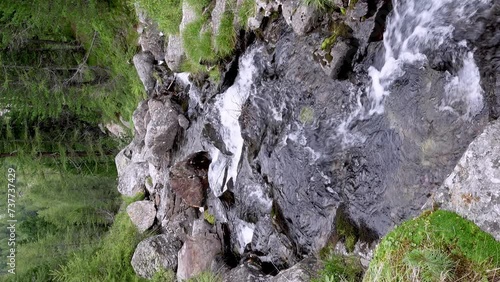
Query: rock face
175,53
300,17
142,214
156,253
303,271
196,255
189,179
473,188
133,179
161,130
143,63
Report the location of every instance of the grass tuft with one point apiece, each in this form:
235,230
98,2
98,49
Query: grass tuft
437,246
246,11
225,41
167,13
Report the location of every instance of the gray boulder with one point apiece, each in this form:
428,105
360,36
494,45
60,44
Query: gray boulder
156,253
132,179
161,130
142,214
246,272
174,53
143,62
303,271
196,255
300,17
332,60
473,188
139,119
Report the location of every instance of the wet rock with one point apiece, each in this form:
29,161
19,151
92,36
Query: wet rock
161,130
142,214
246,272
300,17
132,180
189,179
303,271
143,62
263,9
197,254
183,121
175,53
338,58
154,254
473,188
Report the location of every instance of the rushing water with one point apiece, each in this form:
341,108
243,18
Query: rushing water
416,29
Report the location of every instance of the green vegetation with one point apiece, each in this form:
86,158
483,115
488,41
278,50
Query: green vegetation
320,4
339,29
346,230
206,277
210,218
437,246
65,70
246,11
225,40
167,13
338,268
306,115
198,42
199,6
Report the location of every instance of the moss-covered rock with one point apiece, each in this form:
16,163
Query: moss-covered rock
437,246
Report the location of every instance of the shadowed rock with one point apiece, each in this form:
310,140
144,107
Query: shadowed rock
189,179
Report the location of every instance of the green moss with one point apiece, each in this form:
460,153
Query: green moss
436,243
164,276
130,200
346,230
199,6
210,218
167,13
339,29
306,115
205,277
225,40
319,4
149,181
246,11
198,42
338,268
352,3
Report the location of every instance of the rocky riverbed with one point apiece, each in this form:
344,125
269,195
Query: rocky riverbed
298,146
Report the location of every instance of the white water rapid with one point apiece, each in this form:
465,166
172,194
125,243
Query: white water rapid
419,27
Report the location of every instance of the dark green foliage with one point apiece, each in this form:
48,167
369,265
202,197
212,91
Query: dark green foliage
346,229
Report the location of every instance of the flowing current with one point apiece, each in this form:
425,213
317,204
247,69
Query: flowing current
417,29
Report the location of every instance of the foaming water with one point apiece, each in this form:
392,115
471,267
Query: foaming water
229,104
416,28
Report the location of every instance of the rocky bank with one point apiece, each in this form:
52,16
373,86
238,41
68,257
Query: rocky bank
252,175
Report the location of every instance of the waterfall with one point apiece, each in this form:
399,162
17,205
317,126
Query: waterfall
419,27
229,105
